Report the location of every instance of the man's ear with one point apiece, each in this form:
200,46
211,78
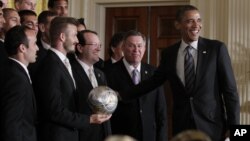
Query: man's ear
62,37
41,27
177,25
22,48
79,48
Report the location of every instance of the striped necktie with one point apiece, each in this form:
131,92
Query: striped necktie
189,70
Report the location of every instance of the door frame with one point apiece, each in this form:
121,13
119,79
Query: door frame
97,12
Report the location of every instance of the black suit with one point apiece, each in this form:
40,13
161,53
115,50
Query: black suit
56,94
143,118
3,55
214,81
94,132
17,105
41,53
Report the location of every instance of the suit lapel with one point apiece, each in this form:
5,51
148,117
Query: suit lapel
203,52
99,77
144,72
80,72
124,73
62,66
21,69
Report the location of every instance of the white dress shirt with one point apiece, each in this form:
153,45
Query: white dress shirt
24,67
130,68
86,69
181,58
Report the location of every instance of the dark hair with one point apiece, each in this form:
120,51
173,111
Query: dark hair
81,38
23,13
14,37
180,13
58,26
51,3
42,17
114,42
1,4
81,21
133,33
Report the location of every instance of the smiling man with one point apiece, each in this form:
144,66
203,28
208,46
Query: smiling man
201,77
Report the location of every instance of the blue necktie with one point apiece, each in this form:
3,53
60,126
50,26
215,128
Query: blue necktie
189,70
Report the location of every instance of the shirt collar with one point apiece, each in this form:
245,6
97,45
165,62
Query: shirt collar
84,65
183,45
59,54
23,66
129,67
45,45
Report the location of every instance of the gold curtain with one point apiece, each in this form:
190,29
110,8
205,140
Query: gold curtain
40,5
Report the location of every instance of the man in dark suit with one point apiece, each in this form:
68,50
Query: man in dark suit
17,101
87,52
212,103
56,89
143,118
3,54
43,40
115,49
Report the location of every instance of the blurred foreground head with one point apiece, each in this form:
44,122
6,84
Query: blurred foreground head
120,138
191,135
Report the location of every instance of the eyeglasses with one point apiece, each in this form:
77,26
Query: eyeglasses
94,45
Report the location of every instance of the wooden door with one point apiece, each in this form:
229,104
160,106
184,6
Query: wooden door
157,24
123,19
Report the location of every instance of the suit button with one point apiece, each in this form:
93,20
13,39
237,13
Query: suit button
140,111
191,98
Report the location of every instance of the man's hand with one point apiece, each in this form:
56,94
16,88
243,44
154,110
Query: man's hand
99,118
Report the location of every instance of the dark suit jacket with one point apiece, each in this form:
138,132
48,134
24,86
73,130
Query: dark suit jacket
17,105
41,53
56,94
93,132
108,63
143,118
214,83
3,55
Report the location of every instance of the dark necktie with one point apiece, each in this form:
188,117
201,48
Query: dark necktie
189,70
135,76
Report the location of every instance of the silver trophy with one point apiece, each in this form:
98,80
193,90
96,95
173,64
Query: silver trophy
103,100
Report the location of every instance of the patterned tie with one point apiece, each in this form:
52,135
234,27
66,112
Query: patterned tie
135,76
68,66
189,70
92,78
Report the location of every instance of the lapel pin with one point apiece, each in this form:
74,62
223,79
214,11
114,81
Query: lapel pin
99,75
204,52
146,72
